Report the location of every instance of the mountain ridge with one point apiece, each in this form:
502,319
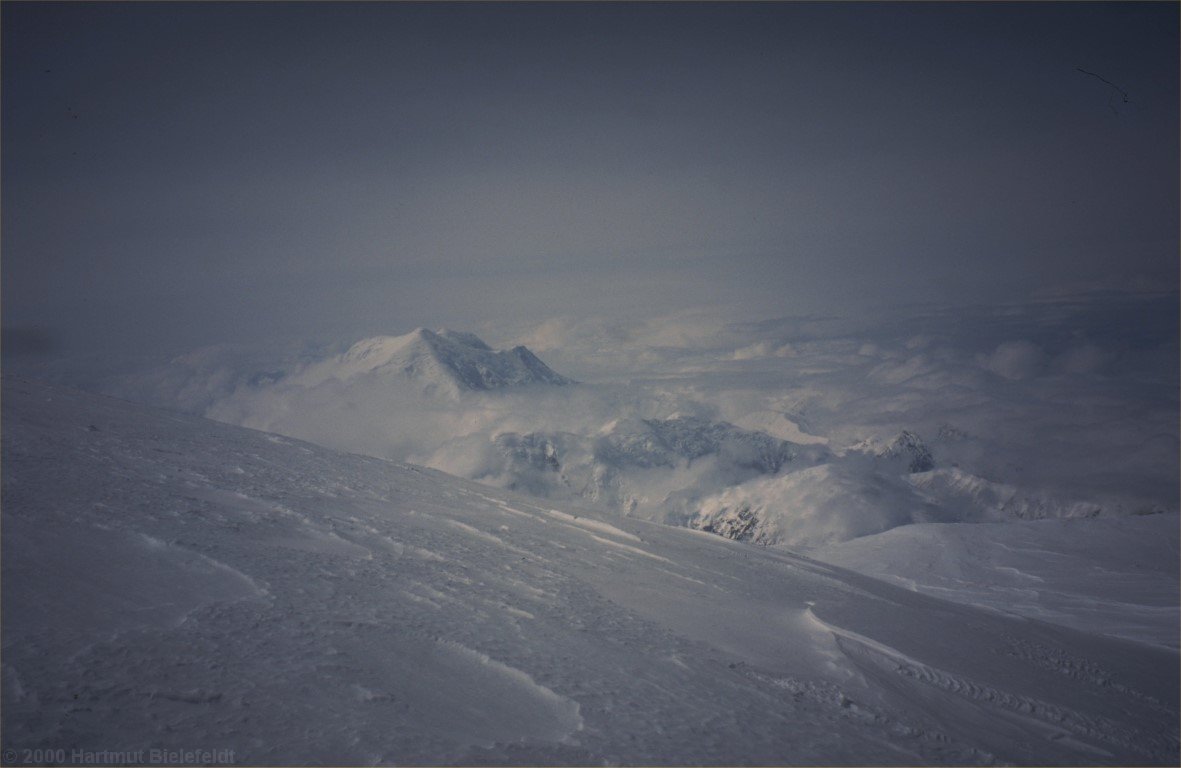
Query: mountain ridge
442,361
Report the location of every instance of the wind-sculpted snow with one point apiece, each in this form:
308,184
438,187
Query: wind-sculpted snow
177,583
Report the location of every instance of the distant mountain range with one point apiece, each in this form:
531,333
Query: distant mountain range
440,363
448,400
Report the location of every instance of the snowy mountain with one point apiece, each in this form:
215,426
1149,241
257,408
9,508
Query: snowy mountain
907,450
748,486
172,583
445,362
446,399
870,488
763,449
394,396
665,442
911,450
832,502
655,468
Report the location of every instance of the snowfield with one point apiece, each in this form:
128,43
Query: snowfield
173,582
1115,575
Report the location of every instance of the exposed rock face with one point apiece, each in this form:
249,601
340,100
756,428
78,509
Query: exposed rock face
912,450
665,442
740,524
535,451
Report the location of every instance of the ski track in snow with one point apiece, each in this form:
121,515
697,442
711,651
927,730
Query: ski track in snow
173,582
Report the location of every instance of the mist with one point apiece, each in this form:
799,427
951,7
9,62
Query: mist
184,175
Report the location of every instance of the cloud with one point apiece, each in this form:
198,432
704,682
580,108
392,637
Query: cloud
553,333
1015,360
764,349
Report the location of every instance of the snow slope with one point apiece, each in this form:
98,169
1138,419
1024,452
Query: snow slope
1117,575
393,396
174,582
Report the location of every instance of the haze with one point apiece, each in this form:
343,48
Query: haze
185,174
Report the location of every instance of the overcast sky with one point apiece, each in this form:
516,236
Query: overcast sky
184,174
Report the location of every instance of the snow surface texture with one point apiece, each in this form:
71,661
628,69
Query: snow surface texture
173,582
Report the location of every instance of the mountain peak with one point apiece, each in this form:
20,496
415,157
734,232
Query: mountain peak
442,361
907,450
910,448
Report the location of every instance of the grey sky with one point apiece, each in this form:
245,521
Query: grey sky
181,174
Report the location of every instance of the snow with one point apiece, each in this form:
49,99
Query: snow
1112,575
445,361
867,489
652,468
815,506
670,425
172,582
